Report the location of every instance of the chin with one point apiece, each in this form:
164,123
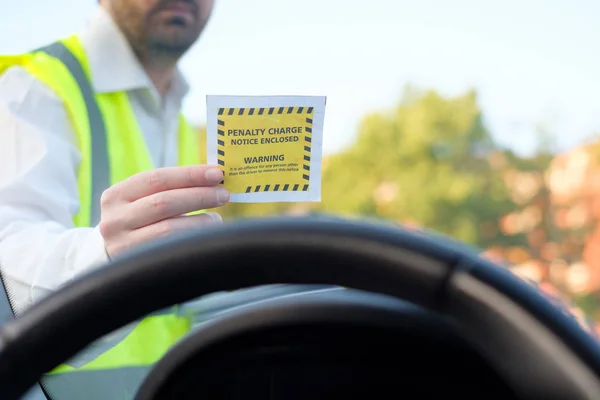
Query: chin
173,37
172,45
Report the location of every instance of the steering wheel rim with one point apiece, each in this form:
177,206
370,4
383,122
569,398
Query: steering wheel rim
484,298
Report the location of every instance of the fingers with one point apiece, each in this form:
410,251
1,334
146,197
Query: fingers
173,203
164,179
152,204
174,225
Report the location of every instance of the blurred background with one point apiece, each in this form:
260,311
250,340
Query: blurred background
478,120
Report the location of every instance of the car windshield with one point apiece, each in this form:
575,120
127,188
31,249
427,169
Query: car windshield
472,122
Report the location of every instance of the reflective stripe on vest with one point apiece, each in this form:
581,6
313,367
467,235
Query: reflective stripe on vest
112,149
99,157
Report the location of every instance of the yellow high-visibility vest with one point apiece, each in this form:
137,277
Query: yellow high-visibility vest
113,149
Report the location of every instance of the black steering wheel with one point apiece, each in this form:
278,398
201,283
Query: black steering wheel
538,351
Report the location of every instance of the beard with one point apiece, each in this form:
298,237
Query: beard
167,30
173,30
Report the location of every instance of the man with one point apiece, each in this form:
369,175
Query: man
95,157
132,48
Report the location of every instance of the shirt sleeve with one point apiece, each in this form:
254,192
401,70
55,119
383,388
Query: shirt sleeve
40,248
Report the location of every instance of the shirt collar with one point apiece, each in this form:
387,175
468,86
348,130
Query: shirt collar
104,43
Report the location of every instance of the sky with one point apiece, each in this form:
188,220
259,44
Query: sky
532,62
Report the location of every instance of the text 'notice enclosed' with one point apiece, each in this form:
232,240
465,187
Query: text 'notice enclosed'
269,147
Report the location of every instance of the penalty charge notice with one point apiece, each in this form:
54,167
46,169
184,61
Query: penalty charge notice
269,147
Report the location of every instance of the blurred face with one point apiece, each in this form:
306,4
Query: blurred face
161,27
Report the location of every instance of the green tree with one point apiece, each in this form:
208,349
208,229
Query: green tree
426,161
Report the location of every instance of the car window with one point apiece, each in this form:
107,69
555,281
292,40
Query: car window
475,123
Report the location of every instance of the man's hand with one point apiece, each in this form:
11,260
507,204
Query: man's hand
152,204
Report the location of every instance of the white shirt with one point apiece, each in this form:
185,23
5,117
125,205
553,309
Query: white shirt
40,249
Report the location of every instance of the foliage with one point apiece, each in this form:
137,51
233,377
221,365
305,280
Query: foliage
431,162
424,162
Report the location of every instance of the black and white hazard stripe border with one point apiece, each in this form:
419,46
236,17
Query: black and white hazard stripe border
271,111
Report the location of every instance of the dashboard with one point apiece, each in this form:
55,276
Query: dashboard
349,350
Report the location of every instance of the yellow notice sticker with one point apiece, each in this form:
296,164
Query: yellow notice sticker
269,147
